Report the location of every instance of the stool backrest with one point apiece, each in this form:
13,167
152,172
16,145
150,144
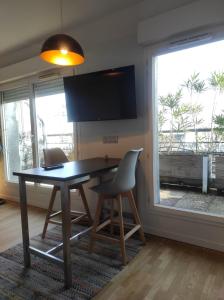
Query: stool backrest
124,178
54,156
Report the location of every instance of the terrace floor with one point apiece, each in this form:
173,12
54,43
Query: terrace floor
192,200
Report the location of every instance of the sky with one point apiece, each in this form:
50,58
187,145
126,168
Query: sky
52,110
176,67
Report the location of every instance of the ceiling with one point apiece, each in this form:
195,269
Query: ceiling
24,21
27,22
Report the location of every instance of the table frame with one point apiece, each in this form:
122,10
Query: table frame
66,224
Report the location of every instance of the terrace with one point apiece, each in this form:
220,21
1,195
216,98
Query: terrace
193,179
184,199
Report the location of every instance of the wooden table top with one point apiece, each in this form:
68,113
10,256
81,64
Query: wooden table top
71,170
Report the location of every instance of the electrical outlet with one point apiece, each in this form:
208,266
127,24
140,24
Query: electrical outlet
110,139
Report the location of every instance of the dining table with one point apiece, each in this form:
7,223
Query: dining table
64,176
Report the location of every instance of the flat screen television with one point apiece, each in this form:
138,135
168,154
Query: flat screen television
103,95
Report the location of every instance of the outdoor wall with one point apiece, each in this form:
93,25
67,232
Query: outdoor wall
112,42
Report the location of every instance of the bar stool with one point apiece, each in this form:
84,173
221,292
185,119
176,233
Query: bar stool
56,156
121,186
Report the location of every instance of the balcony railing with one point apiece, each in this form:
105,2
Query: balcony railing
200,142
63,141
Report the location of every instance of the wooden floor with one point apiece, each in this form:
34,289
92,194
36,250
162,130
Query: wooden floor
163,270
10,224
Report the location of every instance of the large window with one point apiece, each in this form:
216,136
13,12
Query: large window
34,118
190,91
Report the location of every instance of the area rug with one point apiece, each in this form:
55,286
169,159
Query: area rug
44,280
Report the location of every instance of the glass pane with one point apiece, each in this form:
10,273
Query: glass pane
190,90
52,126
17,137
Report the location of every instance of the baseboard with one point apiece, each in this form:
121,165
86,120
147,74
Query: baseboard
185,238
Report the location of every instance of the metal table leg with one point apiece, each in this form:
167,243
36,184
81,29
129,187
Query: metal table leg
66,232
24,221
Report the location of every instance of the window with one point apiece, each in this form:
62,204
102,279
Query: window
34,118
190,91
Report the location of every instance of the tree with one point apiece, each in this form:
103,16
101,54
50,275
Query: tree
219,126
169,103
182,115
216,81
195,86
178,115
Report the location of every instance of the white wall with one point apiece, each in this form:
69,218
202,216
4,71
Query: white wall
196,16
112,42
107,44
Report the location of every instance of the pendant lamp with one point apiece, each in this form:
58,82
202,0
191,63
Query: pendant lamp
62,49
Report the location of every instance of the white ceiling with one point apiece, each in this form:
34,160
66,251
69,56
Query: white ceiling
26,22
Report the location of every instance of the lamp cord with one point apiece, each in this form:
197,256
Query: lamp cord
61,15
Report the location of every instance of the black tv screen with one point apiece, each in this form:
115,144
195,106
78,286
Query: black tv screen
103,95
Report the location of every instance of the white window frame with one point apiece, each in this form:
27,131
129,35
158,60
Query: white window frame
151,140
30,82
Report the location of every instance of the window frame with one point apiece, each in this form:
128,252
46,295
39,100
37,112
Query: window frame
151,140
30,82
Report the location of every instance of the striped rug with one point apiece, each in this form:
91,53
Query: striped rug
44,280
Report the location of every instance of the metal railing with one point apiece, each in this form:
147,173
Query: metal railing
175,141
63,141
191,147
